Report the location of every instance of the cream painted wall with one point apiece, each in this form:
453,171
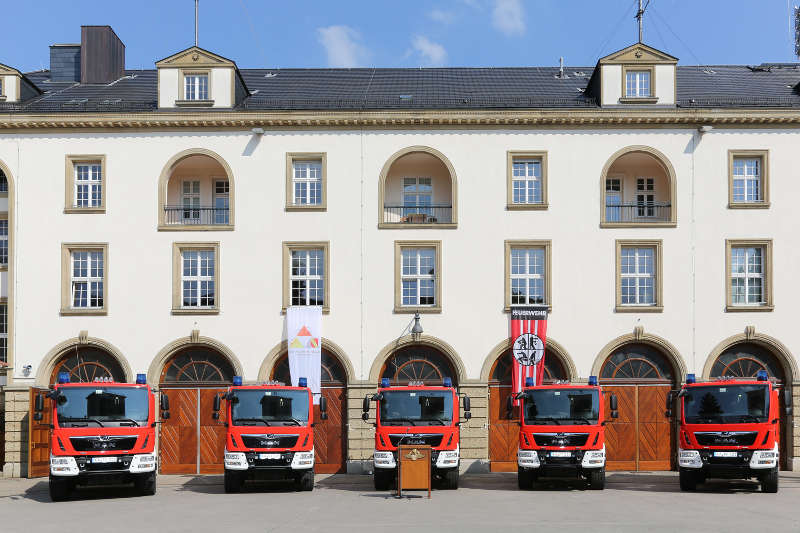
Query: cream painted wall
10,88
361,320
221,87
611,80
665,84
168,87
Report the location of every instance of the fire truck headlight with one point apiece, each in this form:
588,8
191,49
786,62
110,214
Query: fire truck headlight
528,458
594,458
383,459
765,458
235,461
447,459
303,460
63,466
689,459
145,462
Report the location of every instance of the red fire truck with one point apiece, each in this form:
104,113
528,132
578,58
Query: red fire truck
562,432
103,432
416,414
270,433
729,428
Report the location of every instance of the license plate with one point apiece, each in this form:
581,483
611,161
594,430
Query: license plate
560,454
104,459
269,456
725,454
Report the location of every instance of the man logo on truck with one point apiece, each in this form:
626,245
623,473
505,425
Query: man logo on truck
528,349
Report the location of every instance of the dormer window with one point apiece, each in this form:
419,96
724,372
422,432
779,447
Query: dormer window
196,87
637,84
198,78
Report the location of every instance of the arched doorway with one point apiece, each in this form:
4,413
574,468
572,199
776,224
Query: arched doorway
191,441
744,360
504,431
642,438
330,436
84,364
418,362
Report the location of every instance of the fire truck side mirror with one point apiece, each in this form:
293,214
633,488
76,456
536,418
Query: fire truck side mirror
37,416
612,402
467,415
365,406
323,408
466,404
509,405
216,404
164,402
670,400
365,417
787,401
38,404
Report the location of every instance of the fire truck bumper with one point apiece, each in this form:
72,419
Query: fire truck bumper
84,466
440,459
269,460
730,464
561,463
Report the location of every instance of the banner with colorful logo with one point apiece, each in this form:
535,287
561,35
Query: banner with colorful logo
304,327
528,337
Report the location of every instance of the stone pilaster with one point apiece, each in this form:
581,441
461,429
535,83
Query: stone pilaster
17,408
793,432
475,432
360,434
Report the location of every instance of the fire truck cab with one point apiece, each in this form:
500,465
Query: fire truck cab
270,433
729,428
103,432
562,433
416,414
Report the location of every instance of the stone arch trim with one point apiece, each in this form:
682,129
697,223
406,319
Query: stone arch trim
662,159
664,346
11,260
502,346
776,347
425,340
166,173
410,150
59,350
282,347
166,353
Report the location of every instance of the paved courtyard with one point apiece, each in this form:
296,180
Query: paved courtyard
490,502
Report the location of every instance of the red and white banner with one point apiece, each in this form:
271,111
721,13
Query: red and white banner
528,337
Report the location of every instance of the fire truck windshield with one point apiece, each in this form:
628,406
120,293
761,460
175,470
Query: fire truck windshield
416,408
269,407
102,406
726,404
561,406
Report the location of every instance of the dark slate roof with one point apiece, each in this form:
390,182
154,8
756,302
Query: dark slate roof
725,86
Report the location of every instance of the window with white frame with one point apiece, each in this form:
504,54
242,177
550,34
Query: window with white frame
221,202
4,242
3,183
645,197
307,182
307,277
88,271
613,199
198,283
747,275
418,277
747,180
526,180
195,86
88,185
191,201
417,196
637,84
4,332
528,276
637,276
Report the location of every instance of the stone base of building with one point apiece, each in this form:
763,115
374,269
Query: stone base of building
17,406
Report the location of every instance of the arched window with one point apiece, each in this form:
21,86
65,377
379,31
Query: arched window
637,362
198,365
418,362
332,370
87,363
553,368
744,360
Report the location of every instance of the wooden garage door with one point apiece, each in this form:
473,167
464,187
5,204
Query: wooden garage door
330,436
191,442
503,432
39,437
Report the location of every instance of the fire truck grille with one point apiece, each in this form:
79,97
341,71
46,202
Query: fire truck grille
560,439
102,442
726,438
431,439
269,441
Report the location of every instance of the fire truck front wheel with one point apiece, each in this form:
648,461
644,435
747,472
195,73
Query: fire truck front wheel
597,479
146,483
305,481
383,479
525,478
769,481
60,488
688,480
450,479
233,481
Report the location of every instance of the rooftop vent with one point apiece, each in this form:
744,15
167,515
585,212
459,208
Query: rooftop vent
102,55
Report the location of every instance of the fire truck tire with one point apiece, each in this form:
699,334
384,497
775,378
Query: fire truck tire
60,489
383,480
146,484
688,480
769,483
525,479
597,479
305,481
233,482
450,479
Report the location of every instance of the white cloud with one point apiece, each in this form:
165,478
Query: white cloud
342,46
508,17
432,53
445,17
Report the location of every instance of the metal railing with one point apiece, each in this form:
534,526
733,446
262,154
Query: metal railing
196,216
422,214
639,212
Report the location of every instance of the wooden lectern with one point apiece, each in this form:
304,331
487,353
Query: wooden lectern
414,471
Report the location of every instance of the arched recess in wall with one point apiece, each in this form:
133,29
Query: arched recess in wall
7,334
778,350
553,348
280,349
166,354
428,366
184,210
418,204
662,345
84,360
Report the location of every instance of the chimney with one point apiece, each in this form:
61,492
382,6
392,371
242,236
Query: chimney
102,55
65,62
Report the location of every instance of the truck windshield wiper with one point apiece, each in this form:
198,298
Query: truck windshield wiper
752,418
442,422
251,420
402,419
131,420
581,420
706,419
290,419
78,419
540,419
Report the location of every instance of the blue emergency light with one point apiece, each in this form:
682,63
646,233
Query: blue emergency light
302,382
690,378
63,377
592,381
529,382
237,381
384,382
761,375
141,379
447,382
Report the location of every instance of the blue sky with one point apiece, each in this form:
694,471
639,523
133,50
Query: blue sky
408,33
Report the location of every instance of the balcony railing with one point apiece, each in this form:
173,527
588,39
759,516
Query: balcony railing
196,216
639,212
423,214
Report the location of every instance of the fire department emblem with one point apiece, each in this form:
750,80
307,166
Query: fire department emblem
528,349
414,455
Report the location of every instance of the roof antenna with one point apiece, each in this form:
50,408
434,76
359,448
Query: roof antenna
197,7
561,67
640,16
